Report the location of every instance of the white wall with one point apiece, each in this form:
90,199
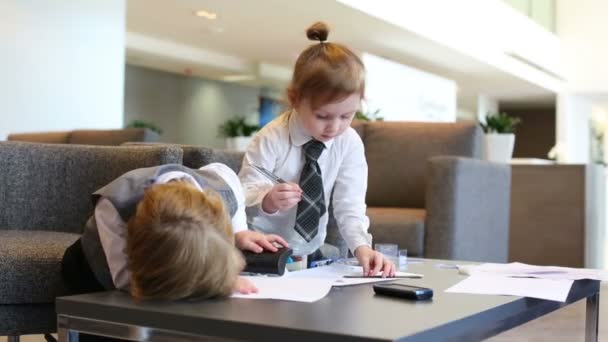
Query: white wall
207,104
154,97
188,109
583,29
61,65
486,105
573,128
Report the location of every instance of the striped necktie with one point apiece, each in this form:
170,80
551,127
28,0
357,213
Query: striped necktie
311,183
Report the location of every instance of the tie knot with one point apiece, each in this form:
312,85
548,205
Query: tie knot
313,149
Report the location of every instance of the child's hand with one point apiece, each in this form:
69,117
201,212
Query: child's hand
244,286
374,262
282,197
257,242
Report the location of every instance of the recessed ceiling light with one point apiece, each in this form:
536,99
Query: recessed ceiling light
205,14
238,78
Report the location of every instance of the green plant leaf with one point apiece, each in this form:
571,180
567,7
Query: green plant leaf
500,123
237,127
145,124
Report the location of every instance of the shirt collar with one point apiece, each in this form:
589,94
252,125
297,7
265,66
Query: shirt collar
298,135
172,175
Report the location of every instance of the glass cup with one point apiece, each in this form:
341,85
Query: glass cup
389,250
402,258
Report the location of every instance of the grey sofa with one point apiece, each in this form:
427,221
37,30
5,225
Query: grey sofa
45,200
429,191
89,136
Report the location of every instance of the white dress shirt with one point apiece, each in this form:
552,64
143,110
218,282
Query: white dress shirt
278,148
113,230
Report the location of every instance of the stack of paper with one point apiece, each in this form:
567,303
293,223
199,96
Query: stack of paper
524,287
310,285
517,279
517,269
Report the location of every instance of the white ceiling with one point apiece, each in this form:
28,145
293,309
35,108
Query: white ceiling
272,31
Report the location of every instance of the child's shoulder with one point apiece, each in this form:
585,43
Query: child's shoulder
275,129
349,139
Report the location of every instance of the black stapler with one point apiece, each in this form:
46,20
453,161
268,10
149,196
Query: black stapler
267,262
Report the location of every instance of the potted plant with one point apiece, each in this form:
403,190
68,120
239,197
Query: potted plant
238,133
145,124
499,136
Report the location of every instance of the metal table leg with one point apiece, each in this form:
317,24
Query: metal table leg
592,317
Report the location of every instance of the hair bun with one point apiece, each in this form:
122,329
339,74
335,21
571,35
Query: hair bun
318,31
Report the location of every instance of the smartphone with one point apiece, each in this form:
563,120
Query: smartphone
403,291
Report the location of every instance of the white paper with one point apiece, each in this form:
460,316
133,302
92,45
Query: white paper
551,289
311,284
338,271
516,269
295,289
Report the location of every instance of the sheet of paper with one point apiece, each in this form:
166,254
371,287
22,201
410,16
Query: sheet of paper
516,269
295,289
338,271
551,289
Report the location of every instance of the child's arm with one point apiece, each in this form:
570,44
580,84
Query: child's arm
260,192
112,232
244,238
349,208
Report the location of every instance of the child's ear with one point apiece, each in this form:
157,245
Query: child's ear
293,97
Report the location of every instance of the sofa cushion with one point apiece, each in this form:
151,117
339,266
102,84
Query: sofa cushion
397,154
30,271
112,137
42,137
27,319
49,186
402,226
197,156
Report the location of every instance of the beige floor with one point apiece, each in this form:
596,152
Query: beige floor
565,325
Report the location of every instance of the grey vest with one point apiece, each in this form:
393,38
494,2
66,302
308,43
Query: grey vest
125,192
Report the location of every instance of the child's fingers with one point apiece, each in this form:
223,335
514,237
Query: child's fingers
245,286
388,269
365,264
276,238
265,244
287,195
288,187
295,187
286,203
378,263
253,246
290,202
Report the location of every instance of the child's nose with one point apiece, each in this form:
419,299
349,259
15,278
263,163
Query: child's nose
333,126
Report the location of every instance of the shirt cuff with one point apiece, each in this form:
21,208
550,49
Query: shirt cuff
261,210
239,221
354,242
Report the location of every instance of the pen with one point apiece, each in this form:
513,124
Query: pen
276,179
381,277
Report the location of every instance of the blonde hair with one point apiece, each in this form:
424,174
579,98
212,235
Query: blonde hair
180,245
325,72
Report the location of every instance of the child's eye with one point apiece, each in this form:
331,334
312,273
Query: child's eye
321,117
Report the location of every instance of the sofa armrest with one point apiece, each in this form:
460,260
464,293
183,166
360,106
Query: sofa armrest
468,204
